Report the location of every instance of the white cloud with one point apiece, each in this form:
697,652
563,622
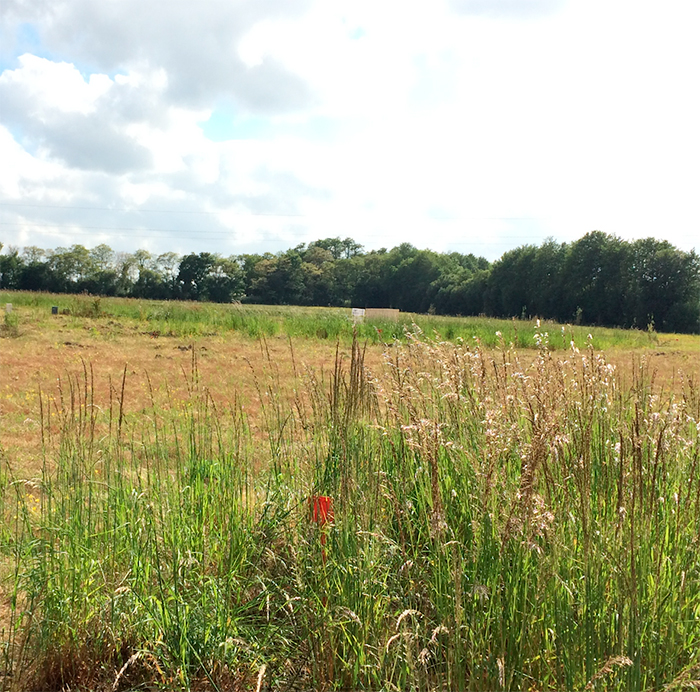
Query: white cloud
507,8
45,86
195,44
461,123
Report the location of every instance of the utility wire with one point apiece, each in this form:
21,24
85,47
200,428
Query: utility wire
184,234
146,211
242,214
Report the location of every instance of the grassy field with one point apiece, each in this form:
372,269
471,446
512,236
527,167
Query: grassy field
509,512
184,320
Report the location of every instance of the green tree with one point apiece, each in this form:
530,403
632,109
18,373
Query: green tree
595,282
461,286
339,249
11,265
372,284
509,289
224,281
280,280
546,281
102,277
167,266
35,272
414,281
70,268
194,269
147,280
664,287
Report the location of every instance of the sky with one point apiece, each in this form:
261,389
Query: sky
238,126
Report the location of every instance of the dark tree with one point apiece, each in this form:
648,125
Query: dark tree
11,266
191,278
664,287
594,281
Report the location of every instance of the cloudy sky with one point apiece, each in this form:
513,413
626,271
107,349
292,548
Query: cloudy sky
237,126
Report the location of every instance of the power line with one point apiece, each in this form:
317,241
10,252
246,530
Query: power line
198,234
264,241
252,214
183,234
103,228
146,211
258,214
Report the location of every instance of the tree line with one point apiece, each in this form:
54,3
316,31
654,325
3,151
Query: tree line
598,279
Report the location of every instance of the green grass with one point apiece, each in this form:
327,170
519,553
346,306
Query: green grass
495,528
183,319
10,325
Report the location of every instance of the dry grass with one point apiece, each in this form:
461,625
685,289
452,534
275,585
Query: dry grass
42,354
503,519
40,359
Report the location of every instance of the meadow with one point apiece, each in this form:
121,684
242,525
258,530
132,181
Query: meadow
192,319
515,507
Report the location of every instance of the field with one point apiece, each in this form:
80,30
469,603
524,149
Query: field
509,511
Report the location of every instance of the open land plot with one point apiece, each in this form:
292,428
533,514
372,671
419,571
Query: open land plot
502,518
47,350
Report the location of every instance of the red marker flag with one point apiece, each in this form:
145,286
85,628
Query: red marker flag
321,509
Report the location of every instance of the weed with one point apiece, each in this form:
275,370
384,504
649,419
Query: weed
497,523
10,325
188,319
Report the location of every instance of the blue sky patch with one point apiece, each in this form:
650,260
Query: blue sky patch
223,125
28,39
29,144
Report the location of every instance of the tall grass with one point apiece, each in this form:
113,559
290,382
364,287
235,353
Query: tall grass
495,527
191,319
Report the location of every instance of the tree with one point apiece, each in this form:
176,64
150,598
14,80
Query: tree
224,281
147,281
339,249
192,275
509,287
10,268
167,266
664,287
208,276
414,282
70,267
101,278
280,280
371,287
546,281
594,279
458,292
33,254
101,258
35,273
